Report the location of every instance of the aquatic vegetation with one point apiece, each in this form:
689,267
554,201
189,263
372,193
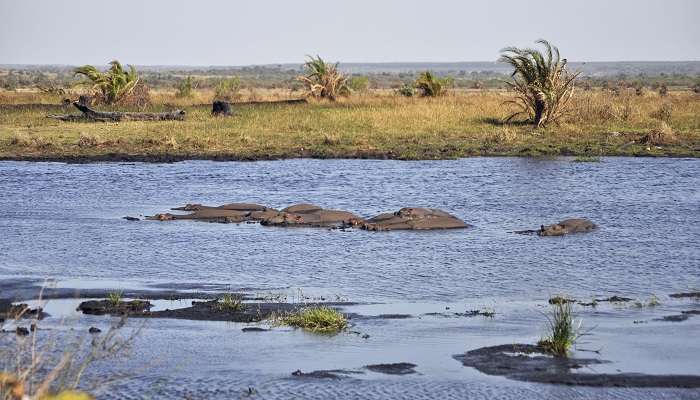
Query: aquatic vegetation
563,330
430,85
115,298
542,84
231,302
324,80
114,84
319,319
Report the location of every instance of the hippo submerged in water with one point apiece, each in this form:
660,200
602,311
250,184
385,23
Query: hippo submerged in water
309,215
573,225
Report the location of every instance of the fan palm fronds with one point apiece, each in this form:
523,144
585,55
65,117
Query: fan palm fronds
542,84
430,85
323,80
114,84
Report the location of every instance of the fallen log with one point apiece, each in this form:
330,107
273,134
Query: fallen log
88,114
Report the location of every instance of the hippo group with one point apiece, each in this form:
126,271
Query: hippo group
310,215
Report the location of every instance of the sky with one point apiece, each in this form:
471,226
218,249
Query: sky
209,32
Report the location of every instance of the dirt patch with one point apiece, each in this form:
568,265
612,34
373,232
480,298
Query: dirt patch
531,363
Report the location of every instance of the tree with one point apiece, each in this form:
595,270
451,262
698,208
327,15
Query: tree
542,84
323,80
114,84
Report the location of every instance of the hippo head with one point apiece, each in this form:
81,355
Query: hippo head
552,230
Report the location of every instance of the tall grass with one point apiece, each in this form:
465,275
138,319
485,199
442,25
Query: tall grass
563,330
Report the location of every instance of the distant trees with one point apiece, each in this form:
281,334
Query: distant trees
324,80
114,84
542,84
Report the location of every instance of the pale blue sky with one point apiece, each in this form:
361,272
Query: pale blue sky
208,32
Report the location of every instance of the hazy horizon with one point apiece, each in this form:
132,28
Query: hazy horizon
203,34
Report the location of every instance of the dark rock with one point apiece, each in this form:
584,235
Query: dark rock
691,312
22,331
94,330
102,307
323,374
614,299
393,369
695,295
131,218
560,300
365,336
532,364
414,219
567,226
673,318
18,311
254,329
221,108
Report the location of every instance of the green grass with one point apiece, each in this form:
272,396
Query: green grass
563,331
114,298
231,302
319,319
376,125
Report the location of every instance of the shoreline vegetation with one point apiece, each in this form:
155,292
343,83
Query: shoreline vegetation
376,124
537,111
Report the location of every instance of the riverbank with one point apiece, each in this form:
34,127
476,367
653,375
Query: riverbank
376,125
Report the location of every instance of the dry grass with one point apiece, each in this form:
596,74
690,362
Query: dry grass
379,124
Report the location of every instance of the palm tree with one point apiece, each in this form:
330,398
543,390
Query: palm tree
542,84
431,86
323,79
114,84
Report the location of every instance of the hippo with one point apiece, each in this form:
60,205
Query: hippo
573,225
312,215
414,218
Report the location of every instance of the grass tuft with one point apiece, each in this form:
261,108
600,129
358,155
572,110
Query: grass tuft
115,298
320,319
231,302
563,330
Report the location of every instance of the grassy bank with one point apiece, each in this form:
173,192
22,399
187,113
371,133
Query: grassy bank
375,125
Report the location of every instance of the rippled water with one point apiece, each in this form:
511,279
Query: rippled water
64,221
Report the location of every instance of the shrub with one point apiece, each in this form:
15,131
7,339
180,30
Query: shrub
86,140
431,86
542,84
359,83
563,330
320,319
406,90
324,80
112,85
663,90
185,87
228,89
660,136
663,113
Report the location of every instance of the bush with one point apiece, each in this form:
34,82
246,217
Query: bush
359,83
185,87
228,89
406,90
431,86
112,85
542,84
324,80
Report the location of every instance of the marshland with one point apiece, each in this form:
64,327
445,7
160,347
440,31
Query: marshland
185,214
